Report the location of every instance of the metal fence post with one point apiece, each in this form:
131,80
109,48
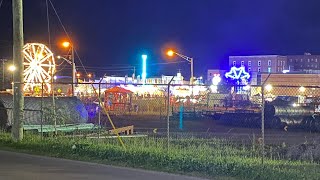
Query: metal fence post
262,119
262,124
168,115
41,125
99,115
54,107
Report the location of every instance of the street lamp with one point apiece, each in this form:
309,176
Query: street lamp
12,68
89,76
302,89
189,59
67,44
268,88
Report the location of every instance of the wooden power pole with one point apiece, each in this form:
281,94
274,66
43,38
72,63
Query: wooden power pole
18,99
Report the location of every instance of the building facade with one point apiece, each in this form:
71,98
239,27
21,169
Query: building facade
260,63
305,63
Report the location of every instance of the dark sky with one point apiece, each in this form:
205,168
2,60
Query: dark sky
109,32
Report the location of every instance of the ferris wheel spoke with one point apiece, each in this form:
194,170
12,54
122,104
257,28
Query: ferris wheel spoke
40,79
29,78
34,52
42,74
43,59
46,73
46,58
47,65
28,57
27,69
41,49
32,76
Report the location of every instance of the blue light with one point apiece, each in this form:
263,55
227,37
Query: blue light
144,68
237,73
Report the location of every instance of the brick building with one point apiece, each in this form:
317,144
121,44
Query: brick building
306,63
260,63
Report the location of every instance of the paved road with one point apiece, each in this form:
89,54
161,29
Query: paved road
16,166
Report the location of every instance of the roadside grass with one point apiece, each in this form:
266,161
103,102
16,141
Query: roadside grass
205,158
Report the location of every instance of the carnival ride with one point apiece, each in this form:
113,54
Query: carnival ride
39,67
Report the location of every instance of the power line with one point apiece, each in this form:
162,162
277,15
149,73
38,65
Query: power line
64,29
1,3
82,65
48,24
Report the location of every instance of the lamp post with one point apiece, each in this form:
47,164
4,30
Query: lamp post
189,59
67,44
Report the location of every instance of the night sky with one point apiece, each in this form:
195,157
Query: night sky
107,33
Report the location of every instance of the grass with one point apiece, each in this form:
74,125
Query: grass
206,158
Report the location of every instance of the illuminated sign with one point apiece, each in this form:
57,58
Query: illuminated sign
237,73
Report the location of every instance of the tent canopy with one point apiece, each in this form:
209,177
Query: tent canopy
117,89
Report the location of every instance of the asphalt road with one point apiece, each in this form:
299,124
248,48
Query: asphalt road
17,166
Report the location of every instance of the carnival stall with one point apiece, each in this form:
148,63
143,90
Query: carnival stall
117,99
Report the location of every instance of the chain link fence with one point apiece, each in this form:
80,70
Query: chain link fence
231,115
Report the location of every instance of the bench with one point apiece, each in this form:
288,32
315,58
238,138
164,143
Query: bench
127,130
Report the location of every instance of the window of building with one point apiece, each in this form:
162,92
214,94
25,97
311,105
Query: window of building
290,60
249,63
308,60
301,60
316,66
242,63
269,69
210,74
311,60
280,63
259,63
249,69
259,70
269,62
234,63
316,60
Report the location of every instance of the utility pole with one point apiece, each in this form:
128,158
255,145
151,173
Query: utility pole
73,69
18,99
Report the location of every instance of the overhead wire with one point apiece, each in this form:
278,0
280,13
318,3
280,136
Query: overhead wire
48,24
100,101
65,31
1,3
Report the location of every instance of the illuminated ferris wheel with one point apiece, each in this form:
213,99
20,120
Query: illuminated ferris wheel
39,66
